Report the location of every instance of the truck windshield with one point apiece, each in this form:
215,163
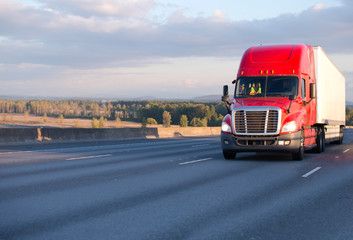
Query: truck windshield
270,86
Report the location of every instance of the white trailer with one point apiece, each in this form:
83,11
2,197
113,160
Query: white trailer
331,95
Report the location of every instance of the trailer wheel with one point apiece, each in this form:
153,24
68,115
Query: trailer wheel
341,136
299,155
229,154
320,140
340,140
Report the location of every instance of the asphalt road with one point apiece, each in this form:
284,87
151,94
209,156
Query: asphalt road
173,189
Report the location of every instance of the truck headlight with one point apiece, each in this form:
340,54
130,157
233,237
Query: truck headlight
226,127
290,127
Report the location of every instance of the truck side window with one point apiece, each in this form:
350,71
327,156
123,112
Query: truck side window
303,91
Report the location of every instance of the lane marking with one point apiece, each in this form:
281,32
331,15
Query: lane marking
3,153
200,145
195,161
311,172
346,150
87,157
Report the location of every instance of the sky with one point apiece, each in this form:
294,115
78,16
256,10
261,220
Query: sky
159,48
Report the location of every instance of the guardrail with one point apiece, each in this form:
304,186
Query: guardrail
10,136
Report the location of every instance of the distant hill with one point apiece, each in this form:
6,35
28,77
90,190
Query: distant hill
207,98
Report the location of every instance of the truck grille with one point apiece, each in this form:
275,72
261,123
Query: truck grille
257,122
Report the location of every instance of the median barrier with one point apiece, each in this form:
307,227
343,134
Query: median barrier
11,136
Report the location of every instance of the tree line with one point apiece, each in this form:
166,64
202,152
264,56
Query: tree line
146,112
349,116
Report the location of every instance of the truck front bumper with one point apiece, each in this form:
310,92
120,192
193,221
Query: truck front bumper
280,143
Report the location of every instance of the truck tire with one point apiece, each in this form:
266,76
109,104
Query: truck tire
320,140
229,154
299,155
341,136
340,140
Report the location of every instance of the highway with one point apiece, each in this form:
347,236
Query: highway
173,189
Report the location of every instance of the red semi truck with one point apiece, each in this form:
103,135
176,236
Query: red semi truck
288,98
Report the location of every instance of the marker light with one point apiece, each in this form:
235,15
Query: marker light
261,72
272,71
293,71
242,72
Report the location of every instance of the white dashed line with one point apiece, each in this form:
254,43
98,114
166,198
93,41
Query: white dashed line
200,145
311,172
87,157
3,153
346,150
195,161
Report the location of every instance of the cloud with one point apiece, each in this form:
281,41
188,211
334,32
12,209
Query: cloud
319,7
104,32
112,8
191,83
107,34
218,15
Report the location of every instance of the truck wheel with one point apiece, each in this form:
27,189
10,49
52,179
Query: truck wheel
341,136
299,155
340,140
320,141
229,154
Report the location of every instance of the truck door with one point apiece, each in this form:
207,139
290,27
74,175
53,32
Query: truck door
308,109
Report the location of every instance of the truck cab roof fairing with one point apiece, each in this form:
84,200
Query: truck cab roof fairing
276,60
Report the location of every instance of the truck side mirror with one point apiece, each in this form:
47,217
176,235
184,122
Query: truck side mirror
312,90
225,97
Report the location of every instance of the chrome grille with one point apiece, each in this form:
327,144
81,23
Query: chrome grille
255,121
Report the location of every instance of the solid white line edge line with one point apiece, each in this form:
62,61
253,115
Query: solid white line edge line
195,161
311,172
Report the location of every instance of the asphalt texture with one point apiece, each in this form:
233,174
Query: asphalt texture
173,189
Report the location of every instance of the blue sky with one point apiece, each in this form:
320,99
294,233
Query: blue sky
244,10
166,49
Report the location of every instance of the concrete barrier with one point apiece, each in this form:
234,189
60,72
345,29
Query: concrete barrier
21,135
11,136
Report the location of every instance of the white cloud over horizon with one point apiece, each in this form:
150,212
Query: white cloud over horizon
112,47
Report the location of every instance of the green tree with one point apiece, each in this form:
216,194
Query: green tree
144,122
183,121
166,119
94,123
151,121
197,122
101,122
193,121
349,116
